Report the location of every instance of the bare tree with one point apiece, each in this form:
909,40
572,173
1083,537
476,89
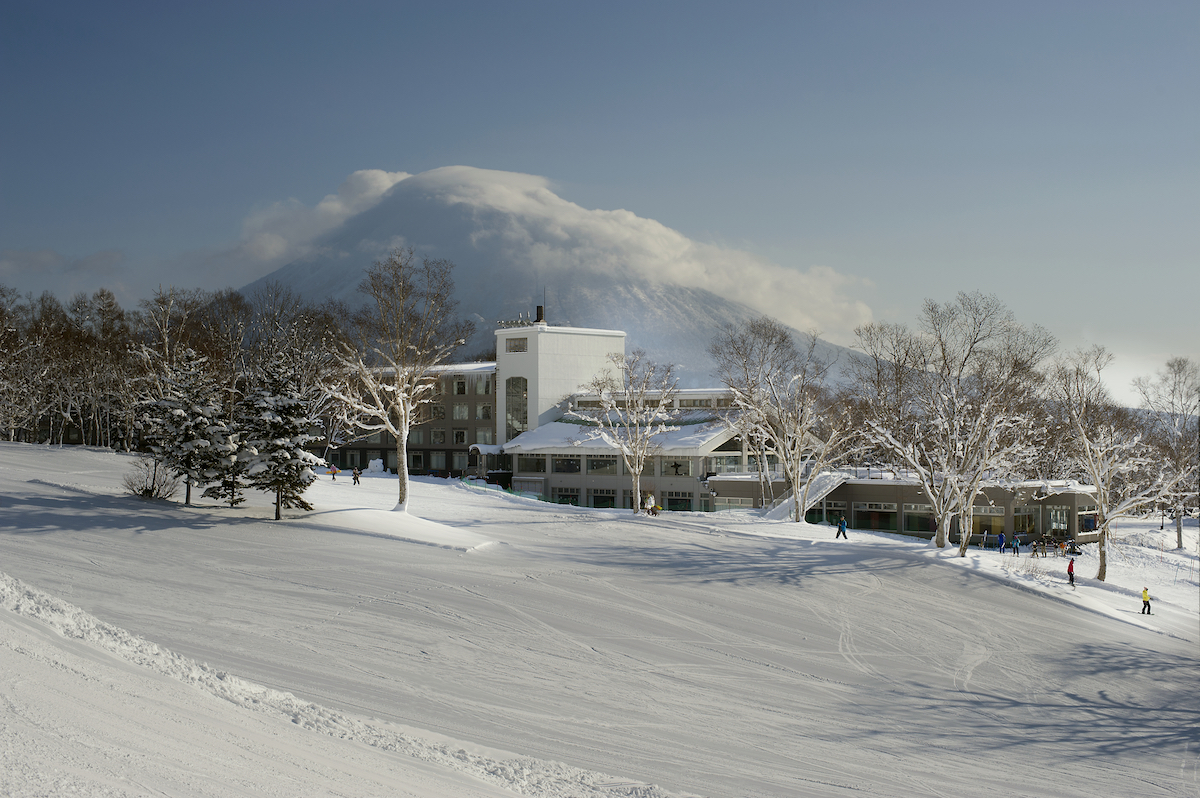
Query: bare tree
1126,472
953,401
778,391
1171,400
407,328
636,406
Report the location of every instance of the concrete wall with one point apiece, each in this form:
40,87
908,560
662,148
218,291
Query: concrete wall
557,362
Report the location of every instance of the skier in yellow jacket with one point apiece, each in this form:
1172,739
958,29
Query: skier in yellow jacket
1146,601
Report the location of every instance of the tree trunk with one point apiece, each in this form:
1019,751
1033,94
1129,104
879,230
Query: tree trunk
939,534
278,503
964,540
187,498
637,492
1179,527
1103,570
402,471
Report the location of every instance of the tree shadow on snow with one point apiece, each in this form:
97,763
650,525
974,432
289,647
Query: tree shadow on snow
1096,704
44,515
748,562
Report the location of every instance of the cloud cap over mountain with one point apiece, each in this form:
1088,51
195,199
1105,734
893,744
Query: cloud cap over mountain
515,241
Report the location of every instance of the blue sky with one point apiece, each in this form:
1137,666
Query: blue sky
1046,152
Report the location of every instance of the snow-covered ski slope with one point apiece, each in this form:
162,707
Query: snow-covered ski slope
502,646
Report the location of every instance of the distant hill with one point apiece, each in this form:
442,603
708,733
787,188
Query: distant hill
517,245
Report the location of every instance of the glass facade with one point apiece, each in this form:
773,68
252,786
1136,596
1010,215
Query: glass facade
516,400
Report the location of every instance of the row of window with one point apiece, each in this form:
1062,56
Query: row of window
436,461
459,411
458,386
598,465
457,437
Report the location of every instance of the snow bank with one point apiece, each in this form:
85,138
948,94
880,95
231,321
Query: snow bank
522,775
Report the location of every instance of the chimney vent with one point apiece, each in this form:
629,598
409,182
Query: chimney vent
541,314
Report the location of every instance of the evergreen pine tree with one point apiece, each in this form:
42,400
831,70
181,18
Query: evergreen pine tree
187,435
278,428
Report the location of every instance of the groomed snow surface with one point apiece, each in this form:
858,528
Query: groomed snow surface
491,645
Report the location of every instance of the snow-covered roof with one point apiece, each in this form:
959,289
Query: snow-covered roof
465,368
557,437
486,448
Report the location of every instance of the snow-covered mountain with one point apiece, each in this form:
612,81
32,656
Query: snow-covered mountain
516,245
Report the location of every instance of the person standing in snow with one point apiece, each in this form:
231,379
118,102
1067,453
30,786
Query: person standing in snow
841,533
1146,601
1001,546
1071,572
355,474
1016,547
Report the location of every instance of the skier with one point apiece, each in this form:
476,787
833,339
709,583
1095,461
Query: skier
1001,547
333,472
841,533
1146,601
1016,547
355,474
1071,572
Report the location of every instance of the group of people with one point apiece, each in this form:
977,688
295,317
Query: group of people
334,471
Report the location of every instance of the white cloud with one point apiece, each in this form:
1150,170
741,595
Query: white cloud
283,230
522,215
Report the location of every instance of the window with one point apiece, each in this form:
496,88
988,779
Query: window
462,411
516,411
416,461
459,461
566,465
483,412
565,496
437,436
918,518
437,461
602,466
602,497
516,345
416,437
460,437
695,402
484,435
679,501
875,515
460,386
588,404
827,511
483,386
725,463
531,463
677,467
1027,520
437,412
